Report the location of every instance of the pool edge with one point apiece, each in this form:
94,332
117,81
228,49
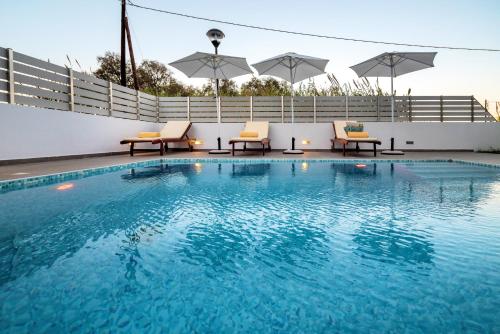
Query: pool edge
47,179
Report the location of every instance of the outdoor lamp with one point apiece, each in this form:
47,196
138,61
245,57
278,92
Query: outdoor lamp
215,36
196,141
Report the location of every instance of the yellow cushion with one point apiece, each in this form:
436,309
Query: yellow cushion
149,134
362,134
252,134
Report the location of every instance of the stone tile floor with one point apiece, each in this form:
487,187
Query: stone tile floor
22,170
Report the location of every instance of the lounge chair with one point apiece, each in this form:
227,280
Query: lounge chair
254,132
172,132
342,138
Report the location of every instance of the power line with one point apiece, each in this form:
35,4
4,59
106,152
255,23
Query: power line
135,36
309,34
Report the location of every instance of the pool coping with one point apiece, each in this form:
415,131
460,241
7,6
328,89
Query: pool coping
47,179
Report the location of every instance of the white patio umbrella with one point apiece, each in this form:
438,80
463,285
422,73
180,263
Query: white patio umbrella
213,66
393,64
293,68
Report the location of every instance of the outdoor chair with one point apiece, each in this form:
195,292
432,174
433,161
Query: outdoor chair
172,132
254,132
342,138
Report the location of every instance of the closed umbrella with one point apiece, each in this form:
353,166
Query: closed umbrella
293,68
393,64
212,66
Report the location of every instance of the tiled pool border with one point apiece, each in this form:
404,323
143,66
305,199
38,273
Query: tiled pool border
35,181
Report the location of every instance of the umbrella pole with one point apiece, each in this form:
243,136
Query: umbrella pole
219,149
218,112
292,94
291,103
392,151
392,97
392,89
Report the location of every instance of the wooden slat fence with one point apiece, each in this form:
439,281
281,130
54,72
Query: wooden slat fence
28,81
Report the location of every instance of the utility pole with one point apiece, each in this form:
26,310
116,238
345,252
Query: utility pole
131,52
123,59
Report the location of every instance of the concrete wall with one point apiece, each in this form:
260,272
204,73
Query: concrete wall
27,132
426,136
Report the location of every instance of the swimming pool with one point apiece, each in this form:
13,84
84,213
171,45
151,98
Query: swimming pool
255,247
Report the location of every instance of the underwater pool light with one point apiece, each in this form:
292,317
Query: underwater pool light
65,186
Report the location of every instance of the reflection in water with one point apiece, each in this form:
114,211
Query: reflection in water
333,243
364,191
385,241
153,172
355,169
250,170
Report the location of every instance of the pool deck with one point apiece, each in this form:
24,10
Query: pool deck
22,170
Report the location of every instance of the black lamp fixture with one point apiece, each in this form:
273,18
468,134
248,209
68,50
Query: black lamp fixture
215,36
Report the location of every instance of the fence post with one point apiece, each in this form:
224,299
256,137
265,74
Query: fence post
188,105
378,108
12,99
71,90
137,102
441,109
472,108
485,110
251,108
157,109
282,110
110,97
314,109
409,108
347,107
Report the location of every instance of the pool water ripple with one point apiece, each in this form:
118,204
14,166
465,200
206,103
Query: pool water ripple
270,247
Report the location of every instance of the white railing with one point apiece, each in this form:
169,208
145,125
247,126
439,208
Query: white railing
28,81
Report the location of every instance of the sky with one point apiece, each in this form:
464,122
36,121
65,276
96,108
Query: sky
84,29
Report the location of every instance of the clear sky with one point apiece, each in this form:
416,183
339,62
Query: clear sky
84,29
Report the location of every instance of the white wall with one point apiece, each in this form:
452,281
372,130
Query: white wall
27,132
426,136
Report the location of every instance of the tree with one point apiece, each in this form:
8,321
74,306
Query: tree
264,87
226,88
109,69
156,79
153,76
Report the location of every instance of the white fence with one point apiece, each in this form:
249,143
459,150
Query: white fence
28,81
324,109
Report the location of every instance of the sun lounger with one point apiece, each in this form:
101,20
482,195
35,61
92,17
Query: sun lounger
172,132
254,132
342,138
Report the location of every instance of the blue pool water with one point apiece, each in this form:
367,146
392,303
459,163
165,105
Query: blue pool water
258,247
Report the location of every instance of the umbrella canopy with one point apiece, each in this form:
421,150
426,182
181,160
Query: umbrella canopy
292,67
212,66
393,64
